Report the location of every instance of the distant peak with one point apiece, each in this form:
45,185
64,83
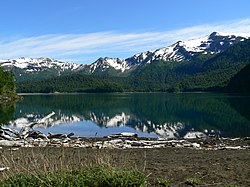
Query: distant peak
214,34
102,58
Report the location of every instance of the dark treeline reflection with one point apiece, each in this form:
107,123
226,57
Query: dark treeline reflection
6,113
227,113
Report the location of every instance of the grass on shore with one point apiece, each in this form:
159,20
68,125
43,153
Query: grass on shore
54,167
92,176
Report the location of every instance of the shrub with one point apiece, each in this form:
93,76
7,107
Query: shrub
192,181
162,182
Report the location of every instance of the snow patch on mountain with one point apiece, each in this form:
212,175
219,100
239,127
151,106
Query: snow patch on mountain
105,63
195,45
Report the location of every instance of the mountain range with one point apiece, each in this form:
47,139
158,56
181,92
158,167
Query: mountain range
199,64
178,52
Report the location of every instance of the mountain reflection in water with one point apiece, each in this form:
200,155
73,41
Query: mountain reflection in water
149,114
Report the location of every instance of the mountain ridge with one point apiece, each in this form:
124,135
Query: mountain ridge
179,51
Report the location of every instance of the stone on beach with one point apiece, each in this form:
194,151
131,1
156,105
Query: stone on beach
4,169
195,135
123,135
10,143
5,135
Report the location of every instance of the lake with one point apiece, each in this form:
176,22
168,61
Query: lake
147,114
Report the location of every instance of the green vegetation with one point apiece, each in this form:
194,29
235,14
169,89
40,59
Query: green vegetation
92,177
71,83
192,181
98,176
7,86
162,182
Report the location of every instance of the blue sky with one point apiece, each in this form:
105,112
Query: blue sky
84,30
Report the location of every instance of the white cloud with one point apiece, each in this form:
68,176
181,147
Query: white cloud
87,47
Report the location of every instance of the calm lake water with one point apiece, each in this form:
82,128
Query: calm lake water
147,114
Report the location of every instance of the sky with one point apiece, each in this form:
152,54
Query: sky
81,31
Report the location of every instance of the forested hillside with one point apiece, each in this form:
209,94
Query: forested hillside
71,83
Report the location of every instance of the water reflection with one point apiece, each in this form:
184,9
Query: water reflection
6,113
156,114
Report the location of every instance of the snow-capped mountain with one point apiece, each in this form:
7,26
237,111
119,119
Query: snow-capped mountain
37,68
37,64
179,51
104,63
